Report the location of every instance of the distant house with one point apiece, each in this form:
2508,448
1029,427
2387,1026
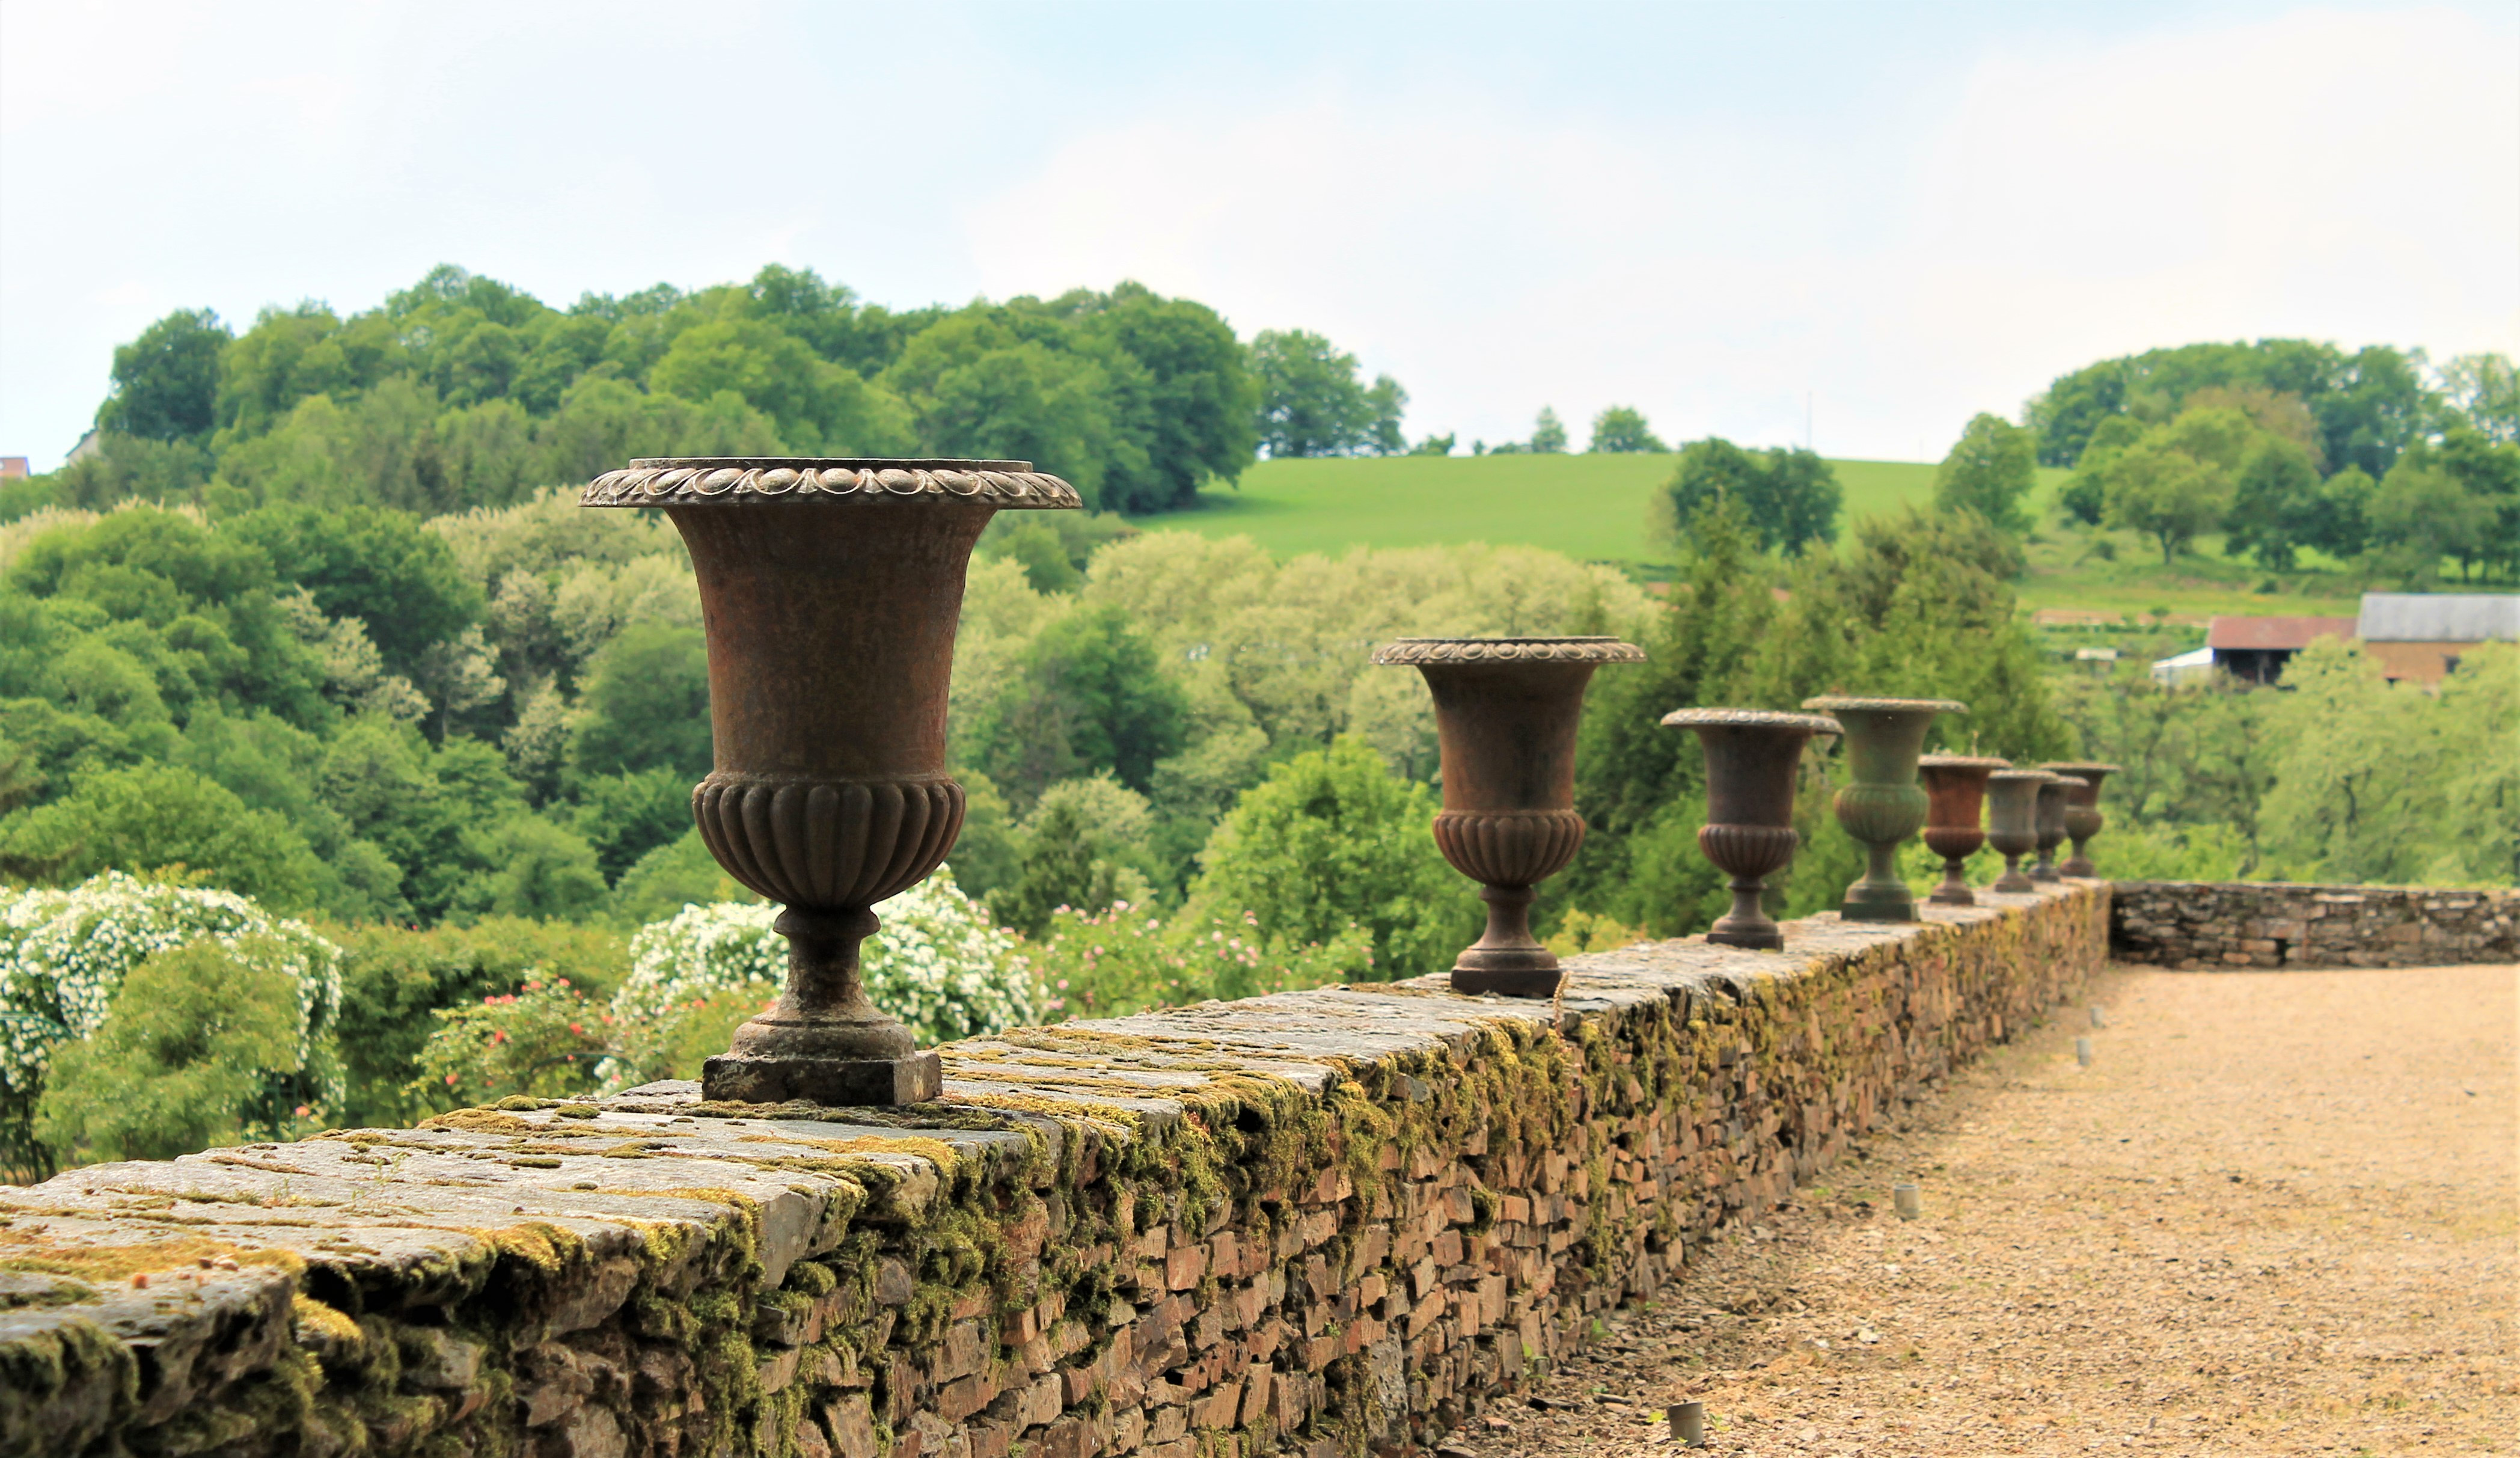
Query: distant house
2418,637
12,468
2255,649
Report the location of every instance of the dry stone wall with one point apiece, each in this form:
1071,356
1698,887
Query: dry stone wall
2232,926
1319,1223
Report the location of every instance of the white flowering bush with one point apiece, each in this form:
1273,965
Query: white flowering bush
938,964
64,955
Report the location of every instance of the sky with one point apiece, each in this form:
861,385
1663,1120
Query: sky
1851,225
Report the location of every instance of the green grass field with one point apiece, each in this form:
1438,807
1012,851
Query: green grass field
1597,508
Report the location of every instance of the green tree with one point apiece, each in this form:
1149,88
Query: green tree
646,704
1989,472
1547,433
1089,695
1311,402
2274,503
158,817
1084,847
2486,390
166,382
1622,429
1330,839
625,816
193,1038
2423,513
818,405
1789,497
1198,415
380,567
2176,482
2490,471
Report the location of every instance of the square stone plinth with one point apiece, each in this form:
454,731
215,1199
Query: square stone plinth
842,1082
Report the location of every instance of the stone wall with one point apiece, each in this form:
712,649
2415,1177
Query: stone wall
1320,1223
2213,926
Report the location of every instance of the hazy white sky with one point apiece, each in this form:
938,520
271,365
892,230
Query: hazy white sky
1715,213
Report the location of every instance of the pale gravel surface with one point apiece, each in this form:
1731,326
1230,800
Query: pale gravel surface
2276,1215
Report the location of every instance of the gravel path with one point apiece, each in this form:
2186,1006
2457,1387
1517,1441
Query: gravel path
2276,1214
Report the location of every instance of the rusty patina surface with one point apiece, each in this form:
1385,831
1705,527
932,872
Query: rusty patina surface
830,592
1507,711
1751,755
1955,790
2083,818
1881,807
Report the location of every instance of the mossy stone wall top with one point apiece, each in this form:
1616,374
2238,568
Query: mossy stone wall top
1313,1222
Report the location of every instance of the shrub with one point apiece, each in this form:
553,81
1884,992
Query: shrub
1121,960
182,1061
64,956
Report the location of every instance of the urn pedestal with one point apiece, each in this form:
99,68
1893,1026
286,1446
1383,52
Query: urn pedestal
2052,824
829,593
2013,822
1881,805
1956,792
1751,755
1507,711
2083,818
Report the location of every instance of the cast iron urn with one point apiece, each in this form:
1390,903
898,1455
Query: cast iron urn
1751,755
2052,799
1955,788
1505,715
2013,822
830,592
1880,804
2083,818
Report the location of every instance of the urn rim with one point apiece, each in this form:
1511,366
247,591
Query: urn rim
2020,776
1750,718
753,480
1961,761
1414,652
1837,704
2079,768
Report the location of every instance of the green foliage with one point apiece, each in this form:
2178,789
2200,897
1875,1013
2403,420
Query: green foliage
180,1061
1311,404
1333,838
383,568
393,977
2276,504
625,817
1087,695
2423,511
1622,429
1124,959
1789,497
160,818
646,704
1085,846
545,1040
2376,782
166,382
2367,407
683,873
1989,472
1547,435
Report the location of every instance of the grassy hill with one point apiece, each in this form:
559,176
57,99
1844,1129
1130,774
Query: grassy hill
1596,508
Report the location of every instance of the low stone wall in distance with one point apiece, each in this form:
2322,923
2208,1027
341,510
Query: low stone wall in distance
1314,1223
2214,926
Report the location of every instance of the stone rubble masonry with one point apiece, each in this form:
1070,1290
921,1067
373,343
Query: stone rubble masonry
2201,926
1316,1223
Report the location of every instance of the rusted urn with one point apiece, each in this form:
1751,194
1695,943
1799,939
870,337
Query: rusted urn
1751,755
1881,805
2052,824
2013,822
2083,818
830,592
1956,794
1505,715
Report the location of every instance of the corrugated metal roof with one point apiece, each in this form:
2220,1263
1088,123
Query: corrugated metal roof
2275,633
2437,616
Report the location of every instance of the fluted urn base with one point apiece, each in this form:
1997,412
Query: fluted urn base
1507,851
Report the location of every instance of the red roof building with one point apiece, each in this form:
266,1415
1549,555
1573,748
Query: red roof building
2255,649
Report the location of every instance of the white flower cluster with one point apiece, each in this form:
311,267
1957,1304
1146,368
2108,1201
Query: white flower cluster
63,956
938,964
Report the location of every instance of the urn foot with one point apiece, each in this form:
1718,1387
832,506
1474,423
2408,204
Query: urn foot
1953,891
1508,977
1870,901
2079,865
842,1082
